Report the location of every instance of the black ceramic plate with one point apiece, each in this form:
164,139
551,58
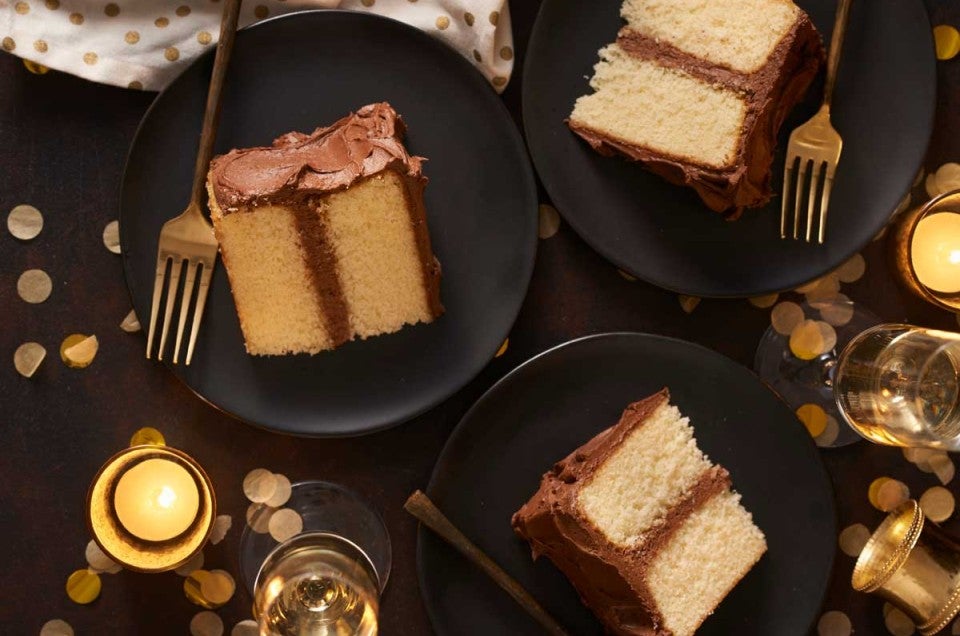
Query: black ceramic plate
300,71
557,401
883,108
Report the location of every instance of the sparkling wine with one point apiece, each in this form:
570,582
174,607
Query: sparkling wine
317,584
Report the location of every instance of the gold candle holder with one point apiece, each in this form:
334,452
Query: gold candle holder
904,233
915,566
161,522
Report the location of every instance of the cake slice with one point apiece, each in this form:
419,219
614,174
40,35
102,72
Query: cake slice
643,525
324,235
697,92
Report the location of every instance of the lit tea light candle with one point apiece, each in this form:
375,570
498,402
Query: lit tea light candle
156,500
935,252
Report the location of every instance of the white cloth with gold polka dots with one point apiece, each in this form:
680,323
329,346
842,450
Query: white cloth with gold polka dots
146,43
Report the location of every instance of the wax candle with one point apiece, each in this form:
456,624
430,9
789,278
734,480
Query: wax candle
156,499
935,252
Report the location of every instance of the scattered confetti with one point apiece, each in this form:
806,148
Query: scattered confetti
898,623
549,221
813,417
56,627
503,348
131,324
282,493
834,624
111,237
836,311
28,357
930,185
947,40
83,586
221,525
626,276
827,287
245,628
218,588
34,286
258,517
785,317
25,222
285,523
193,564
807,339
874,490
99,561
192,586
891,494
763,302
830,433
937,504
853,538
81,354
948,177
852,270
808,287
148,436
943,468
259,485
688,303
206,624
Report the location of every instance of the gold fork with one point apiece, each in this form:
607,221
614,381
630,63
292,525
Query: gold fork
815,142
188,239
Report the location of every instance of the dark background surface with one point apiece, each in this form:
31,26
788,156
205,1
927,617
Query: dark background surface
62,146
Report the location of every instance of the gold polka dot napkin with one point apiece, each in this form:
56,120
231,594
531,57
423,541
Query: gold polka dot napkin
144,44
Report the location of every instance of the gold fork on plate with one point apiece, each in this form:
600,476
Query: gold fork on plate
188,240
816,142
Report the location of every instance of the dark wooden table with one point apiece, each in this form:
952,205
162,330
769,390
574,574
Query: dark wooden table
62,147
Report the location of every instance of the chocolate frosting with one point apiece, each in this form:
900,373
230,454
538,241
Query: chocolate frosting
770,92
609,578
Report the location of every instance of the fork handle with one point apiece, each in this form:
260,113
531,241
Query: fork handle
211,116
836,45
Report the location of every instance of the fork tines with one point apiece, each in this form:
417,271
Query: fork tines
182,290
800,175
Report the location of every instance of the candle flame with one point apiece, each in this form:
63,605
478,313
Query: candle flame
166,497
954,257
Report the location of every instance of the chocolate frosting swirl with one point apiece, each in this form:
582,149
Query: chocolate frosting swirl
328,159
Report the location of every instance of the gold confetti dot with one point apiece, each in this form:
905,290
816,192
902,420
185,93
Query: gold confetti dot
25,222
874,490
34,286
898,623
249,627
688,303
626,276
943,468
56,627
499,81
111,231
206,624
221,525
90,58
132,37
218,588
830,433
826,288
948,177
947,39
931,186
494,17
282,492
549,221
183,11
836,311
813,417
204,37
763,302
148,436
83,586
8,44
111,10
477,56
937,504
785,317
40,46
503,348
135,85
28,357
161,22
834,624
258,517
98,561
131,324
506,53
81,354
259,485
193,564
53,5
468,18
76,18
285,523
172,54
261,11
853,538
192,586
35,68
22,8
852,270
368,3
812,338
443,22
891,494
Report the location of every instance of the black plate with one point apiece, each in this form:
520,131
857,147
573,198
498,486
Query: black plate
297,72
557,401
883,108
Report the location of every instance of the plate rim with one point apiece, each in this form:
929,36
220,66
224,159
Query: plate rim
527,176
536,34
458,431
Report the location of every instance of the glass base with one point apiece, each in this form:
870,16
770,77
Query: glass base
329,508
809,383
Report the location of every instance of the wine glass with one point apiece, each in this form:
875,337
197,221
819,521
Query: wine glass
327,578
